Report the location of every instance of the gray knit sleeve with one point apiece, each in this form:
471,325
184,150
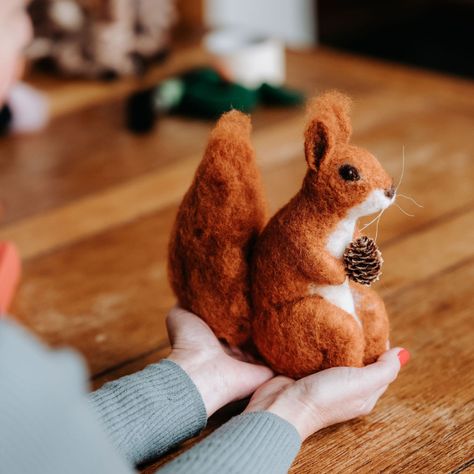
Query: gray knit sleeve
252,443
46,423
147,413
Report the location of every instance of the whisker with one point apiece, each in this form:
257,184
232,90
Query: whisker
377,226
372,221
378,217
403,210
410,199
403,169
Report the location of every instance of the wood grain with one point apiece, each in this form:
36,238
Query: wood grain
115,282
275,146
423,423
91,207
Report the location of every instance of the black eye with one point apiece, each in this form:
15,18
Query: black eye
349,173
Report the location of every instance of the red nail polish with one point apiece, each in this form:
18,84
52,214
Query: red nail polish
403,357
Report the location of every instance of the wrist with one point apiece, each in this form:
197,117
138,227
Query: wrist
299,415
205,375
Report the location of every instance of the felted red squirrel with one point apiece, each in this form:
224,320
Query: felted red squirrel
283,285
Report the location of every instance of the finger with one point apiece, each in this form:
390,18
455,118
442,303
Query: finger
251,351
252,359
173,321
372,401
274,386
184,326
384,371
236,351
260,375
242,355
378,393
233,352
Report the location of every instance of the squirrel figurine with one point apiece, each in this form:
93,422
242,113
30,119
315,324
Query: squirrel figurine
283,284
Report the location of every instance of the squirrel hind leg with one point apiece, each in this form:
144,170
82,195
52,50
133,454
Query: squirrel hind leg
371,310
229,323
307,336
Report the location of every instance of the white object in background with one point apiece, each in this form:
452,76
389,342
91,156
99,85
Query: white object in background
67,14
30,110
292,21
248,60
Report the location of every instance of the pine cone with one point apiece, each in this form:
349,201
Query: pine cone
363,261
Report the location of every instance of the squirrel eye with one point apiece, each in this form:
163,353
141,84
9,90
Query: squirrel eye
349,173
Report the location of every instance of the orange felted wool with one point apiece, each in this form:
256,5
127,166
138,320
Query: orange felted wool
215,230
283,284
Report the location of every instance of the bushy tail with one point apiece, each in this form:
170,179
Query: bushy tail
216,226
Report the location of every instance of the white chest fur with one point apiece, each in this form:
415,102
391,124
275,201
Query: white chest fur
338,295
341,237
338,240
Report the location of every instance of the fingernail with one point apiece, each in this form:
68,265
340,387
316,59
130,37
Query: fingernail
403,357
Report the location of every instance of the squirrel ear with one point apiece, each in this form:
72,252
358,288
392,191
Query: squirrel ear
329,123
318,144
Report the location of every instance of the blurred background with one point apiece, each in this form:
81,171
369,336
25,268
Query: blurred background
434,34
428,33
102,132
201,41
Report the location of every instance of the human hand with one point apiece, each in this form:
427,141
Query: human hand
331,396
15,33
222,374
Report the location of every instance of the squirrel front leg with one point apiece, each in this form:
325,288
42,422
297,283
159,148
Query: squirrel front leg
322,268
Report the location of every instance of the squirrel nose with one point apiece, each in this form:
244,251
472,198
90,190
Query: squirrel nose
390,192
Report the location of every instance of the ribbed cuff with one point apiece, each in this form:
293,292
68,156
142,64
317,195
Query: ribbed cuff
257,442
147,413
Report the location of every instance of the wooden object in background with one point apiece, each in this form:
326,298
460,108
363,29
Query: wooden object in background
191,14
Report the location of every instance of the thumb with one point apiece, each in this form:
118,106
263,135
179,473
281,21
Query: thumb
174,321
251,377
386,369
186,327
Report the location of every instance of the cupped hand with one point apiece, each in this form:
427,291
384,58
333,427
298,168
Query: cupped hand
328,397
221,373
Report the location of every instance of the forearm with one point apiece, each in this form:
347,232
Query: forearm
147,413
252,442
46,422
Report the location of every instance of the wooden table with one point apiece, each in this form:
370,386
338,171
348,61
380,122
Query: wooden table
91,206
